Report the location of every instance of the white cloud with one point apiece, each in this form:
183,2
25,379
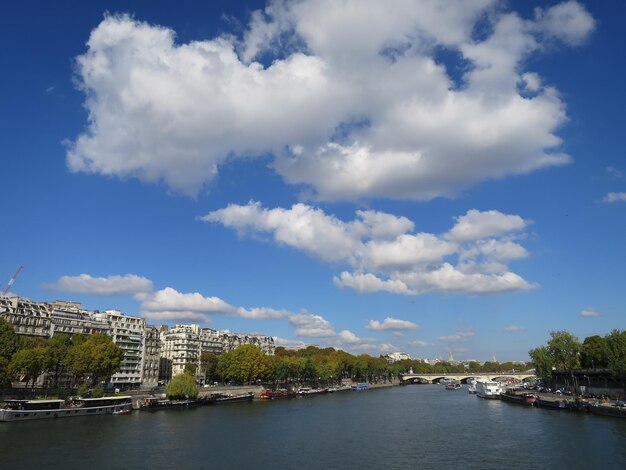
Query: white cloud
262,313
391,324
514,329
289,343
615,197
346,336
111,285
390,260
459,336
476,225
307,324
567,21
420,344
169,304
384,117
589,312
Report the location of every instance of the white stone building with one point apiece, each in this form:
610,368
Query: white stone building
128,334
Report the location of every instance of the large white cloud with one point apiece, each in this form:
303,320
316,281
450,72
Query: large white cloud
169,304
111,285
356,102
469,258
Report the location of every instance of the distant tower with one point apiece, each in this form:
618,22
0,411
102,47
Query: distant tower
493,357
450,356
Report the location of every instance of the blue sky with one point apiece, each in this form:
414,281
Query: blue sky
408,178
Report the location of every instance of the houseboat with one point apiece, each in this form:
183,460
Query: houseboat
22,410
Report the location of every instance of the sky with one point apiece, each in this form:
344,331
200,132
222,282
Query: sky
428,177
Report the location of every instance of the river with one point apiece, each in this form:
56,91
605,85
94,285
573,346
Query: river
419,426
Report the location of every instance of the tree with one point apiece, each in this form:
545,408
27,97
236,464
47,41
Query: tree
542,361
564,349
594,352
616,353
59,346
182,386
208,365
9,341
97,355
245,363
191,368
30,362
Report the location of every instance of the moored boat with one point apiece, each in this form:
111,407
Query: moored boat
340,388
221,398
488,389
453,386
519,397
471,387
277,394
23,410
163,403
360,387
306,391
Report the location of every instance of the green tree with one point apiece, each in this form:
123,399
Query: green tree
30,363
59,346
564,349
616,353
97,355
594,352
5,374
244,364
542,361
182,386
9,341
208,365
191,368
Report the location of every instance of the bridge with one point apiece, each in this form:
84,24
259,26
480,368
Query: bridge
411,377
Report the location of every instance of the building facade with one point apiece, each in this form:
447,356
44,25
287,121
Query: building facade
128,334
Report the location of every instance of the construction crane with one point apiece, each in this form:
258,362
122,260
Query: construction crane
12,280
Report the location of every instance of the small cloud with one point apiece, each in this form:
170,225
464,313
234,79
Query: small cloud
514,329
614,172
589,312
391,324
50,89
461,335
289,343
420,344
615,197
111,285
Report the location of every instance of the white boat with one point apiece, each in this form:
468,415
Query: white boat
488,389
471,387
340,388
306,391
23,410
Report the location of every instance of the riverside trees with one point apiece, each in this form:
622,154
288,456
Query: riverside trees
564,351
89,359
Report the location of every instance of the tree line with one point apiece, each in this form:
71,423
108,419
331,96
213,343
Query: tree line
564,351
323,365
84,360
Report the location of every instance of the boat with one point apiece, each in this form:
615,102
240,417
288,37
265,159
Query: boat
163,403
453,386
359,387
306,391
339,388
22,410
222,398
488,389
277,394
519,397
558,404
471,387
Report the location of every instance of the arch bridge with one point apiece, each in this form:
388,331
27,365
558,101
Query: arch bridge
411,377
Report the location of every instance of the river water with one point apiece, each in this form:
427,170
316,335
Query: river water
419,426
